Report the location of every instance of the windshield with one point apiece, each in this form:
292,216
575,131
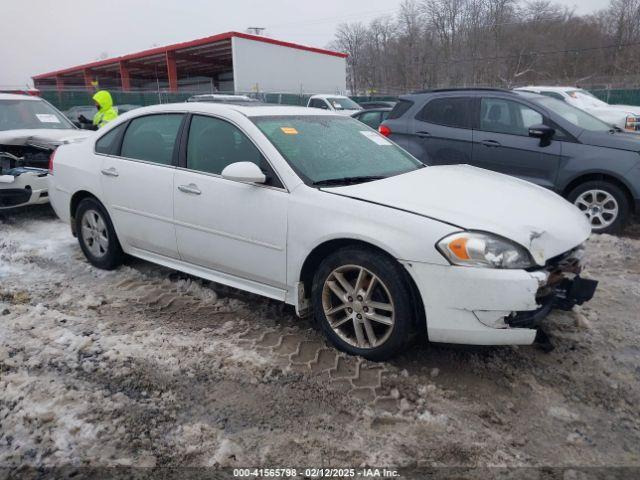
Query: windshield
585,99
574,115
321,148
343,103
30,114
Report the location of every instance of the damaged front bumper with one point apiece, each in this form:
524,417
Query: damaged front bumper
483,306
23,186
563,290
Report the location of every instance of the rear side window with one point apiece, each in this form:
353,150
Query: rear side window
370,118
152,138
399,109
318,103
449,111
553,95
107,143
505,116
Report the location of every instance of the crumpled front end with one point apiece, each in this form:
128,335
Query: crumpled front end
23,186
563,289
486,306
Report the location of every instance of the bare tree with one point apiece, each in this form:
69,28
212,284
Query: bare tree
431,43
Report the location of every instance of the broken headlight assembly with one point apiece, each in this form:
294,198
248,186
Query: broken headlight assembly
478,249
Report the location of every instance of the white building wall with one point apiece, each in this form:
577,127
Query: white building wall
274,68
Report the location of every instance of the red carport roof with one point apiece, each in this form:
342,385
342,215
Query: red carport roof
182,46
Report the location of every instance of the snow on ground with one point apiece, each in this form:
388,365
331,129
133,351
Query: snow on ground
149,367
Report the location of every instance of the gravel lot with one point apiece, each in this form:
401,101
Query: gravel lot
145,366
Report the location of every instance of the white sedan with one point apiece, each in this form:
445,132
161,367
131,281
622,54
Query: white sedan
319,211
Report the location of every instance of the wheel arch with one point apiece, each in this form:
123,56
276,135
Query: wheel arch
76,198
603,177
321,251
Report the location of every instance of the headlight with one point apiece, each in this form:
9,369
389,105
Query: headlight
475,249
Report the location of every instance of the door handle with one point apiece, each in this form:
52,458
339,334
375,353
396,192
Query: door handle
110,172
423,134
491,143
192,188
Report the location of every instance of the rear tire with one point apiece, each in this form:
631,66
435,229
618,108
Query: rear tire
363,303
604,203
97,236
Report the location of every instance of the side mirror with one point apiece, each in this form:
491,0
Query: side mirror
543,132
244,172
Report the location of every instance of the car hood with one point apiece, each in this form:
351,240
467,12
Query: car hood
43,138
620,140
475,199
625,109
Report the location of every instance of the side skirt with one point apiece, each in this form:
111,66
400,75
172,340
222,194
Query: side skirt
212,275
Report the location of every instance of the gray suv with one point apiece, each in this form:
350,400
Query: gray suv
533,137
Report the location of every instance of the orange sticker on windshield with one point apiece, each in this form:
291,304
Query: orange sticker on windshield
289,130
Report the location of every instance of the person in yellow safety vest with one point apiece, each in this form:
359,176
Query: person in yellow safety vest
106,111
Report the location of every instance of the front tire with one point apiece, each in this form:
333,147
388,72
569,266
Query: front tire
362,302
97,236
604,204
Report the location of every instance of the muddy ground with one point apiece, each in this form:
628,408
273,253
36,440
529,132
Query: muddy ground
149,367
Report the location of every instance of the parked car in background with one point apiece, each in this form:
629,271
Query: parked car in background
88,111
376,104
335,103
74,113
625,117
537,138
126,107
30,130
372,117
222,98
315,210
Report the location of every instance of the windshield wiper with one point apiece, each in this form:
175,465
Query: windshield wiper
347,180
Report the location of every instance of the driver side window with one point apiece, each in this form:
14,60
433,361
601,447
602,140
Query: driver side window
214,144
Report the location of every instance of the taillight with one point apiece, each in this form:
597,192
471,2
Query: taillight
51,157
384,130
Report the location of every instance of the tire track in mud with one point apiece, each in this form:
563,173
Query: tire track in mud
289,345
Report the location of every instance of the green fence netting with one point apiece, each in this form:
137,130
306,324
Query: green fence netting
619,96
69,98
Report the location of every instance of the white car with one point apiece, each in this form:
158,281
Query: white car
321,212
625,117
30,129
334,103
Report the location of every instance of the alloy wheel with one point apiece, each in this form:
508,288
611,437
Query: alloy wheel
94,233
600,207
358,306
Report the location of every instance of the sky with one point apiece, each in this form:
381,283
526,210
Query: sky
38,36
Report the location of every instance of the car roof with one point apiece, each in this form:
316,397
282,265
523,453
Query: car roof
16,96
219,96
327,95
443,91
547,89
248,110
462,89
